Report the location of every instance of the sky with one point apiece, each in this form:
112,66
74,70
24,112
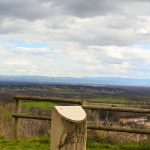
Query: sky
75,38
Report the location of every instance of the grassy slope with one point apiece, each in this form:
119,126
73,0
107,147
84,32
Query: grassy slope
43,144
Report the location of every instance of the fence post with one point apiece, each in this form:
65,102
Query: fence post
68,128
83,102
17,119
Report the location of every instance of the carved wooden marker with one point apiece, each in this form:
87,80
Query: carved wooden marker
68,128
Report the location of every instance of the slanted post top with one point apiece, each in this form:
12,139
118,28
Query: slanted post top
71,113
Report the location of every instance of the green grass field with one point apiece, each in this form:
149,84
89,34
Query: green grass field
43,144
40,105
110,100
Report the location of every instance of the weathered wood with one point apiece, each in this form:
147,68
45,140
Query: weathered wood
16,119
82,102
31,117
137,131
49,99
132,110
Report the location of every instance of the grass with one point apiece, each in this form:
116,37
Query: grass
93,145
43,144
40,105
27,144
110,100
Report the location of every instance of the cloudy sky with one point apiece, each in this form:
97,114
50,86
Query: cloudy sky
75,38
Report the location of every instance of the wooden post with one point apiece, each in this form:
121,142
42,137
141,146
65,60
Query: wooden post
68,128
17,120
83,102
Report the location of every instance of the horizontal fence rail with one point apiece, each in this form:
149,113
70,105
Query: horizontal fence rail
132,110
84,104
81,102
31,117
104,128
137,131
49,99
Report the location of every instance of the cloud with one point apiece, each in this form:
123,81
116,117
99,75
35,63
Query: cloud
31,10
75,60
78,37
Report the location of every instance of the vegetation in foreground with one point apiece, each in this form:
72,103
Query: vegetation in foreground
26,144
43,143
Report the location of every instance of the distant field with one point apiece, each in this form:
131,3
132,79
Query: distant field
40,105
111,100
43,144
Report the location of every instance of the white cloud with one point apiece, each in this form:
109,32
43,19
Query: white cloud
78,38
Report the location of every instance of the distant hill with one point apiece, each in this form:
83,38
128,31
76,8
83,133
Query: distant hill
73,80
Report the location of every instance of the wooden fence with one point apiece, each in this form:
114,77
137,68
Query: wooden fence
84,105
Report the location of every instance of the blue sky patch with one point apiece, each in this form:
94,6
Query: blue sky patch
142,46
30,45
